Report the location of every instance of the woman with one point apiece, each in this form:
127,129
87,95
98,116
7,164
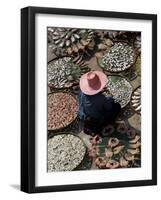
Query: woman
96,110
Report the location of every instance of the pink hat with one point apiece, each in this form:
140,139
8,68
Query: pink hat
93,82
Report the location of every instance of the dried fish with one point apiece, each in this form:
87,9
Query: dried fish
113,142
65,152
93,151
136,100
123,162
133,151
136,145
129,156
67,41
100,162
63,72
122,128
131,133
112,164
118,149
109,129
137,137
108,153
96,140
118,58
62,110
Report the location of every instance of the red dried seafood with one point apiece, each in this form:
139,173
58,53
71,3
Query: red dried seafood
62,110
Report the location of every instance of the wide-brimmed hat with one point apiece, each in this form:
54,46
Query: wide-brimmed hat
93,82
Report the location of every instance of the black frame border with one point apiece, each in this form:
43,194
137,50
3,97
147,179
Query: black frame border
28,98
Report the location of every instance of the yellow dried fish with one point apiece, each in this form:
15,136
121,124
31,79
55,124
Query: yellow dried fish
118,149
129,156
112,164
137,137
133,151
134,146
123,162
113,142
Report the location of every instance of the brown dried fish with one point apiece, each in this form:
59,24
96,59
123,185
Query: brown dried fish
137,137
123,162
133,146
112,164
62,110
129,156
113,142
133,151
108,153
118,149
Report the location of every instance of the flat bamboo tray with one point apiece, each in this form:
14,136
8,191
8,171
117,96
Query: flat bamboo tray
62,110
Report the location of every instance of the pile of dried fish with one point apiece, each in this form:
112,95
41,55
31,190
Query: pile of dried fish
63,72
118,58
67,41
65,152
116,34
110,153
136,100
120,89
137,42
62,110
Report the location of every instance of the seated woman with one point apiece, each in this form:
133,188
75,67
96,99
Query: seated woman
96,110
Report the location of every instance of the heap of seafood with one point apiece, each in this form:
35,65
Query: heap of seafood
118,58
62,110
65,152
68,41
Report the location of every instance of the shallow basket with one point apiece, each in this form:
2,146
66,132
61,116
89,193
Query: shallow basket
68,122
79,161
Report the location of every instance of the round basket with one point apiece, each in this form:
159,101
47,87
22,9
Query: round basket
120,57
63,73
65,152
62,110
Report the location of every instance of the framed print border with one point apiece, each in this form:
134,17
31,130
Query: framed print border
28,90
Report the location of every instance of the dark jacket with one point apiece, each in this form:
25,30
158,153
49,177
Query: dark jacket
96,106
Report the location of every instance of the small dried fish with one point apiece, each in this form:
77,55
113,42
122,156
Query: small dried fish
134,146
137,137
129,156
133,151
62,110
108,153
112,164
138,108
63,38
136,100
136,104
118,149
119,57
65,152
123,162
63,72
113,142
